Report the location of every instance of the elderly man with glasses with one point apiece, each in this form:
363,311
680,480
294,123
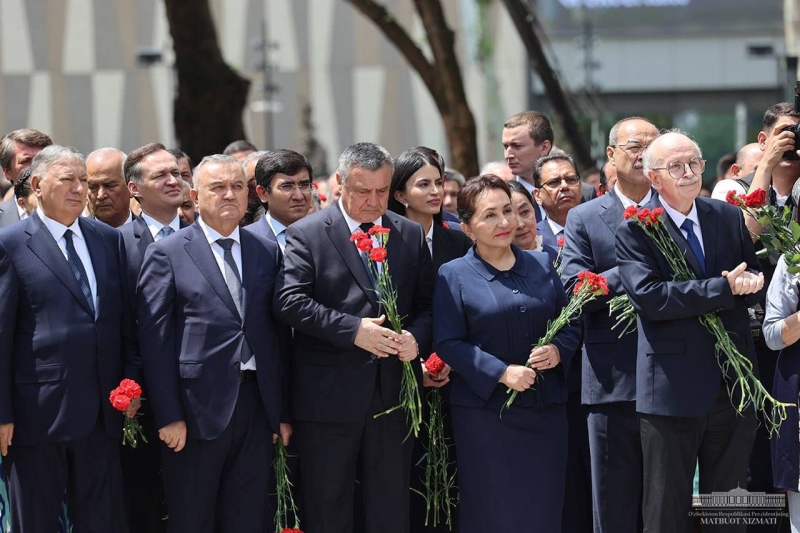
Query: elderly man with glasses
685,413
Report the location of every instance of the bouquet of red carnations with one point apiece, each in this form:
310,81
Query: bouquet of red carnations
121,398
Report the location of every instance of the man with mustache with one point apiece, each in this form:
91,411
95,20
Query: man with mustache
608,387
558,190
685,413
109,198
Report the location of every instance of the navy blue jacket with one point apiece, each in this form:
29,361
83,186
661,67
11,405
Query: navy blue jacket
136,237
58,361
677,373
485,320
609,362
191,335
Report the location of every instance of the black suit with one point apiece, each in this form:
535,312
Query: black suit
8,212
141,466
60,360
323,292
684,409
448,244
192,337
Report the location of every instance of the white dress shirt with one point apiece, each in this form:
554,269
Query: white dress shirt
678,218
22,213
429,239
57,230
627,202
783,296
219,255
528,186
558,229
278,229
155,226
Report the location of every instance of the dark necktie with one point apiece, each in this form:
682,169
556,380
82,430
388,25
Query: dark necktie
234,283
694,243
365,227
78,271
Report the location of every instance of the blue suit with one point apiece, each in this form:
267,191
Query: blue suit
191,337
685,411
608,386
484,321
548,237
58,363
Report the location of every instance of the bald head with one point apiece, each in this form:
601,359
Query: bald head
109,198
747,160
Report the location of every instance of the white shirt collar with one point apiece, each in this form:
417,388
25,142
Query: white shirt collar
780,200
627,202
678,217
155,226
57,229
276,226
555,226
352,224
530,188
429,235
213,235
20,210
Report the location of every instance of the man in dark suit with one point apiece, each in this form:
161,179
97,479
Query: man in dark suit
283,180
346,365
212,359
64,345
17,150
109,198
684,409
558,190
153,176
609,362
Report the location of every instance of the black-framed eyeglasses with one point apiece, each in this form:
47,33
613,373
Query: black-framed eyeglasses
677,169
556,182
289,186
634,148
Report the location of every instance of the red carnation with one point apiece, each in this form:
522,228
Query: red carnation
757,198
734,199
119,400
630,212
655,215
561,241
291,530
378,254
598,285
315,184
378,230
323,198
358,235
364,245
434,364
644,216
130,388
446,225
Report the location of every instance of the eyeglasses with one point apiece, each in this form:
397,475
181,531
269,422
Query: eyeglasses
677,169
632,147
289,186
555,183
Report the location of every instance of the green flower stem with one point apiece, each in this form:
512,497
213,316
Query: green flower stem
626,315
286,503
132,432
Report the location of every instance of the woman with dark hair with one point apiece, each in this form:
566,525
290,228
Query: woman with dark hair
526,235
489,308
417,193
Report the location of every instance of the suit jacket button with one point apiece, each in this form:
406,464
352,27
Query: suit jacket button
522,309
237,364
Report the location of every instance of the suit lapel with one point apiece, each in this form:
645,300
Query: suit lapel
143,236
199,250
393,246
612,211
97,253
250,261
42,243
339,233
708,226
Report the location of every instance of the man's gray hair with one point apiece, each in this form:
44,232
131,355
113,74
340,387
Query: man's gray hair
648,159
369,156
220,159
455,175
53,155
251,156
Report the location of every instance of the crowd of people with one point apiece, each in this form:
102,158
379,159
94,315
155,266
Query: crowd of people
233,292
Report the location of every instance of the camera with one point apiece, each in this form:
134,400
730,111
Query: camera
791,155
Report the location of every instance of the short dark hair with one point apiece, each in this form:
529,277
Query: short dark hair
22,187
515,186
469,193
560,156
26,136
180,154
405,166
774,112
724,163
239,146
280,161
539,127
133,167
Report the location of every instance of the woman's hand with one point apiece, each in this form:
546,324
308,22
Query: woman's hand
436,380
544,358
518,377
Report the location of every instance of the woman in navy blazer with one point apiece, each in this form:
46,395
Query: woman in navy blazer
490,308
417,193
